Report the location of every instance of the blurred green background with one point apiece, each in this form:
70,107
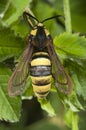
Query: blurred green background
32,116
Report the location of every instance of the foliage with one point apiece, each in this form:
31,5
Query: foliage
9,107
71,49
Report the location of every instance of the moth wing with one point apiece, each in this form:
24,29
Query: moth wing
62,79
18,79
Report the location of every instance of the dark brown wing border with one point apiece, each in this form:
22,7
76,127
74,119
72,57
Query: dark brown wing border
62,79
18,79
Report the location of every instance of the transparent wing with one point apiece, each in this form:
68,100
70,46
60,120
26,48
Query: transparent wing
62,79
17,81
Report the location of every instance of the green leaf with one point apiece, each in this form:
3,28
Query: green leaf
74,48
9,106
28,93
78,75
72,103
45,105
4,5
20,28
38,9
10,45
73,121
15,10
71,44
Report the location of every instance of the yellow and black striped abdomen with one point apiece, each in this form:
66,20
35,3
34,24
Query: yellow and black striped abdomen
40,72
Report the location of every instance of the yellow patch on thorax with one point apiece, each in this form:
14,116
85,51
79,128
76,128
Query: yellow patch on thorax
33,32
46,32
40,25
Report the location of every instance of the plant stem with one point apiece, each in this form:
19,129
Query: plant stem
74,121
67,16
69,29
